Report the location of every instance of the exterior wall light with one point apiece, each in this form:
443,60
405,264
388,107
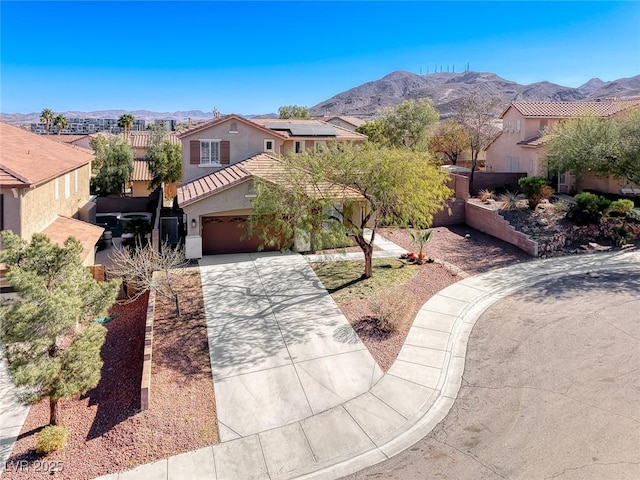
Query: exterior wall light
194,223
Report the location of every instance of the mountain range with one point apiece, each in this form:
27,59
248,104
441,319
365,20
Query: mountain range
366,100
447,89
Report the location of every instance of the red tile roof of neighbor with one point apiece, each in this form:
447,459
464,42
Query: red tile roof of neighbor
28,159
262,166
65,227
604,108
141,172
141,139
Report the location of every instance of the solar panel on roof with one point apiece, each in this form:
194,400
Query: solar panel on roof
304,129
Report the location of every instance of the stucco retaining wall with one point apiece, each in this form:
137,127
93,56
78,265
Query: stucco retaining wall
489,221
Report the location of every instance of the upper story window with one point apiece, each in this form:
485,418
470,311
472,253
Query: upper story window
269,146
209,152
517,126
320,145
233,127
298,146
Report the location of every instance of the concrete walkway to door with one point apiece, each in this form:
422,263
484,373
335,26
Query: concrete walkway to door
281,349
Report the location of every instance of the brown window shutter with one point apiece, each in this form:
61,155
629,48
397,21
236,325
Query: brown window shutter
194,158
225,152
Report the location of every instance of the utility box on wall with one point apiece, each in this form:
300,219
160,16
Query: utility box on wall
193,247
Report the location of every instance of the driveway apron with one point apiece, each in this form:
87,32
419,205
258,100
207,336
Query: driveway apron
281,350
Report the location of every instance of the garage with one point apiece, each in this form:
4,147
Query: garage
223,234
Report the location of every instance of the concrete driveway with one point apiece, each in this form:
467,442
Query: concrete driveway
281,349
551,389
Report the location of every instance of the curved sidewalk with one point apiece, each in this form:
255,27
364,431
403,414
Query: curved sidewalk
404,406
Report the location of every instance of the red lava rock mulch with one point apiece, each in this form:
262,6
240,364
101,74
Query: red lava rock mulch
475,254
385,346
107,433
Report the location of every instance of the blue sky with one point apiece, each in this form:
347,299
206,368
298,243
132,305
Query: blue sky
252,57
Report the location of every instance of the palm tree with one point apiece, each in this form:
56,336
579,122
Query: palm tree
46,117
126,121
60,122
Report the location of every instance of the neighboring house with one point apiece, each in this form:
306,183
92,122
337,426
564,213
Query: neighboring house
138,186
345,121
44,187
220,159
141,175
520,147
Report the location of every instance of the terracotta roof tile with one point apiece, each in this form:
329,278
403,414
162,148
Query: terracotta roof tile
535,141
604,108
213,183
65,227
263,166
141,172
141,139
36,159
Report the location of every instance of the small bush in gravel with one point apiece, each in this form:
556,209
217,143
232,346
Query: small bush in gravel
51,439
510,201
535,189
619,208
391,309
485,195
588,208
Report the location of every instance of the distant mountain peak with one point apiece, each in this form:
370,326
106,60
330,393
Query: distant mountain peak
446,89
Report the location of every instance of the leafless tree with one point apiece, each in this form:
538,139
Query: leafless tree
138,265
476,115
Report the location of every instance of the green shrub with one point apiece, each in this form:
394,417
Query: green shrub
392,309
619,208
51,439
588,208
591,202
535,189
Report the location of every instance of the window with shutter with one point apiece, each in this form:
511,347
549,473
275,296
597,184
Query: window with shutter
208,152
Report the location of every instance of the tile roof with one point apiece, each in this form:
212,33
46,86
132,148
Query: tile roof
355,121
141,139
33,159
141,172
213,183
65,227
604,108
263,166
224,118
66,138
535,141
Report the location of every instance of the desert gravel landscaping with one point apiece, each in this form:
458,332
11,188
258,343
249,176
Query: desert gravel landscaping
463,247
107,433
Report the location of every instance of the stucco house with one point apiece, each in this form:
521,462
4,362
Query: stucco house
520,146
44,187
220,159
345,121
